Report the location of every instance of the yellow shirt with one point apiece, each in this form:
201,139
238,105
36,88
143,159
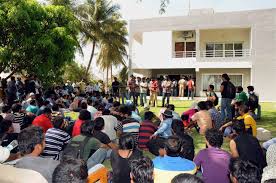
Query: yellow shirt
249,122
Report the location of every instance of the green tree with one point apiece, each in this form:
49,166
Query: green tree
75,73
36,39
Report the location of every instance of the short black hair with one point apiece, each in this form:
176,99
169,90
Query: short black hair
47,110
4,126
214,137
83,105
244,108
127,142
171,107
154,145
89,101
87,128
116,104
209,104
212,87
148,115
225,76
99,124
177,127
106,112
186,178
84,115
142,170
184,117
239,126
250,88
71,171
173,146
187,147
125,110
244,171
202,105
16,108
240,88
55,107
29,138
46,102
6,108
58,121
32,102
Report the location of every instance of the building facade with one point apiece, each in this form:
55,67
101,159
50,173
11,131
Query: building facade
204,45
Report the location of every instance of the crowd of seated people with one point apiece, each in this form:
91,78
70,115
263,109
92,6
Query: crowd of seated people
42,142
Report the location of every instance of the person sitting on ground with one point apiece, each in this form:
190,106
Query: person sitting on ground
99,113
19,116
45,104
91,108
175,114
250,123
187,142
213,161
122,157
141,170
7,134
128,125
241,97
6,113
186,178
84,115
243,171
32,107
147,129
71,171
269,172
91,144
134,113
269,143
31,143
246,146
44,120
190,112
110,123
167,167
56,139
202,118
215,115
164,129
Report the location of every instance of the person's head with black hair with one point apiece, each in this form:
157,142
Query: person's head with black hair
16,108
12,78
173,146
47,112
71,171
157,146
211,88
33,102
55,107
177,127
214,138
149,115
83,105
171,107
243,171
187,147
116,104
6,127
186,178
202,105
89,102
100,107
58,122
125,111
239,89
31,141
141,170
243,109
185,117
110,100
99,124
239,127
84,115
87,128
45,102
238,104
225,77
106,112
209,104
127,142
6,109
250,89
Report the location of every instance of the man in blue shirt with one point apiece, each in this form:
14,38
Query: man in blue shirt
165,129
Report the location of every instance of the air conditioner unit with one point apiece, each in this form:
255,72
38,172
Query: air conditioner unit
187,34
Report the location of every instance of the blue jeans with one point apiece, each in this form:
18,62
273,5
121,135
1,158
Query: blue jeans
134,96
165,95
124,96
226,111
190,94
143,98
98,157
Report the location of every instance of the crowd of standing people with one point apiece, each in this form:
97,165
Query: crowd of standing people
65,133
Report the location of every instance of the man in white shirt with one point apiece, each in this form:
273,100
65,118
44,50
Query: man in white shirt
143,91
91,108
110,123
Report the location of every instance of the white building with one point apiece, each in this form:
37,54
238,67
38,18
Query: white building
205,45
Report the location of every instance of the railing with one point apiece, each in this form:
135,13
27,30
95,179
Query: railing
184,54
226,53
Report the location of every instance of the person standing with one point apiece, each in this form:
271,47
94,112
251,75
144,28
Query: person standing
115,88
191,87
20,88
166,85
228,93
137,89
11,90
182,86
123,91
132,86
143,91
174,88
153,92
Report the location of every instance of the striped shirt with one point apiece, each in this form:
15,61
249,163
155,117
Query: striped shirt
55,142
18,121
146,130
130,125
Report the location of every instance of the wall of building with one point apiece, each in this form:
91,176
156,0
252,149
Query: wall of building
225,36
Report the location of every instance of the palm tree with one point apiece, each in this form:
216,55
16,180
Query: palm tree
96,17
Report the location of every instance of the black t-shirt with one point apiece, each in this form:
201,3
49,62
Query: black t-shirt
115,86
120,166
102,137
224,93
8,139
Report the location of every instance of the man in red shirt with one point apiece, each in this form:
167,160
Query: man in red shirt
44,120
153,92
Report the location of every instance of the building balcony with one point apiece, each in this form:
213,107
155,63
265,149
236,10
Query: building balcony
225,53
184,54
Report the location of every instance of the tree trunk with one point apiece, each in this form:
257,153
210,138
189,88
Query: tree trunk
107,77
91,57
111,73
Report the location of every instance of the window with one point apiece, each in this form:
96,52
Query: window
224,49
215,79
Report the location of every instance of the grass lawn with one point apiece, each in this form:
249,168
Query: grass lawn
268,121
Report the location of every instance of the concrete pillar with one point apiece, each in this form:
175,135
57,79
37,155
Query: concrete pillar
197,44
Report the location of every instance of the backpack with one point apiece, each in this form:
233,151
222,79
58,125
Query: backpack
75,149
216,100
253,100
231,90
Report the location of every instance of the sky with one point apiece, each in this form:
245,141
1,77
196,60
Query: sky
139,9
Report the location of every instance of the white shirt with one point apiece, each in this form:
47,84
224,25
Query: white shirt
92,110
110,122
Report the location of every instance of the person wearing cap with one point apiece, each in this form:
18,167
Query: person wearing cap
165,129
